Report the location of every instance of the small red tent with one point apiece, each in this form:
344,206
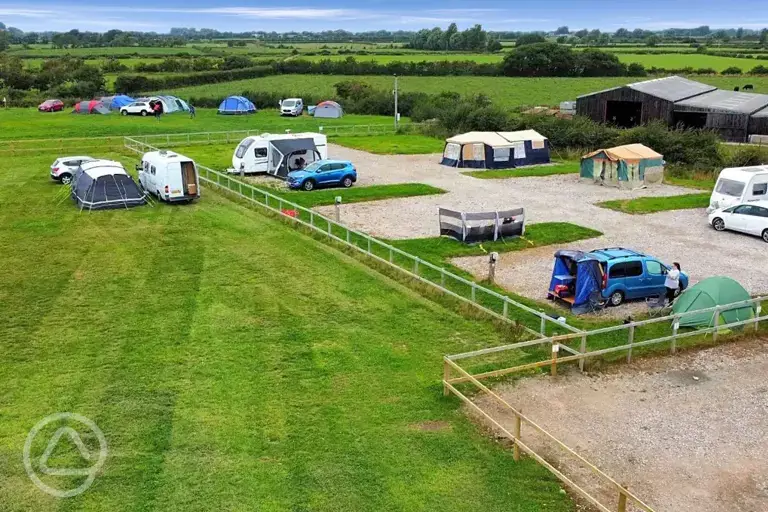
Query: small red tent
90,107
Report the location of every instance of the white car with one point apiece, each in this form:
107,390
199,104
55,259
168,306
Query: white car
139,108
292,107
63,169
750,218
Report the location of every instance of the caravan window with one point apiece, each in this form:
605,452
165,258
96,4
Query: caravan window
243,147
729,187
260,152
500,154
759,189
452,151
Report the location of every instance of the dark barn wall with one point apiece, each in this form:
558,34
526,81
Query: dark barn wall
758,126
594,106
731,127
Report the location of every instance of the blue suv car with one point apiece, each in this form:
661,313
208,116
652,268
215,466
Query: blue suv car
629,274
323,173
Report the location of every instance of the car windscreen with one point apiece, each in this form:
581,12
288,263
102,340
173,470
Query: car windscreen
313,166
288,103
729,187
243,147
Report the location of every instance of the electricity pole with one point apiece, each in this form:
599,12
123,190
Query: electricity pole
396,116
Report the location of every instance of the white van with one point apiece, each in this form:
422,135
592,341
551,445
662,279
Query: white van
739,185
278,154
291,107
169,176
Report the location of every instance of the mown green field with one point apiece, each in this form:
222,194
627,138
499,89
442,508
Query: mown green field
232,364
19,123
484,58
508,92
696,61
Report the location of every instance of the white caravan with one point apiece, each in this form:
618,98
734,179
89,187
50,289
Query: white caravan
169,176
278,154
739,185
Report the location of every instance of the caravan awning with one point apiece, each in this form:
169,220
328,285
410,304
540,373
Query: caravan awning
497,139
288,146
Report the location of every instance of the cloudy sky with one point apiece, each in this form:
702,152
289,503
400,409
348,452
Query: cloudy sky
288,15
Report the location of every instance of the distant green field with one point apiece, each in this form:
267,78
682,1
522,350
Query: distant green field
116,50
21,123
507,92
491,58
696,61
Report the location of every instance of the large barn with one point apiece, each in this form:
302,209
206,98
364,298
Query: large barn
679,102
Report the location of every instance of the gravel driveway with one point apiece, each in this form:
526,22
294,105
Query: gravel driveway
682,235
685,433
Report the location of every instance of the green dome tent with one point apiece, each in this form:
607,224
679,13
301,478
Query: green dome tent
711,292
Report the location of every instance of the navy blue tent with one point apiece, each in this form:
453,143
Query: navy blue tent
580,274
234,105
496,150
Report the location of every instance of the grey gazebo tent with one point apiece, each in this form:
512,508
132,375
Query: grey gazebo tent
104,184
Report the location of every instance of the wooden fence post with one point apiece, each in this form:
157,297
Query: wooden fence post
555,350
631,340
543,326
416,266
446,377
369,245
622,502
675,327
518,433
505,311
716,324
582,351
473,292
757,315
442,277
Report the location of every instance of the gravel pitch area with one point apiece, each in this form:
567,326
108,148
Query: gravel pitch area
681,235
685,433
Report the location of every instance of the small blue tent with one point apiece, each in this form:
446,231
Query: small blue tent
581,273
234,105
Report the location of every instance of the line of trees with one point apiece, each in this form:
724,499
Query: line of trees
474,39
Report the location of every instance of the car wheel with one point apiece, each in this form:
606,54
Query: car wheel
143,113
617,298
308,185
66,179
765,235
347,182
124,112
718,224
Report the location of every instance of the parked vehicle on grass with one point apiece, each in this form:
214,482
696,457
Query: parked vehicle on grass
51,106
750,218
613,275
63,169
137,108
169,176
292,107
323,173
738,185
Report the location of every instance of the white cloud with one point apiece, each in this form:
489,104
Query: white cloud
25,13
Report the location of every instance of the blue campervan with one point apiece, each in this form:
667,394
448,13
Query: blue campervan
587,279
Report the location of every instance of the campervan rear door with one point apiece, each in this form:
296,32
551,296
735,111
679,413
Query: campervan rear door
173,180
189,178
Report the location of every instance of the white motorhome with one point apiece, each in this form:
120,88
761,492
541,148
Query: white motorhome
169,176
739,185
278,154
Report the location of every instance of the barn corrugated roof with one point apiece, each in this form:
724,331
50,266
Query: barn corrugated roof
672,88
727,101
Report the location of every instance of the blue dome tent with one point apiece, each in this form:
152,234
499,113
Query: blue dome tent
115,102
234,105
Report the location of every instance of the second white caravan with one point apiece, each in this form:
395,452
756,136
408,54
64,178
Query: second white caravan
169,176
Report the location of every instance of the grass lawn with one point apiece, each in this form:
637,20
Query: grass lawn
557,167
702,183
357,194
504,91
233,364
642,205
393,144
696,61
28,123
440,249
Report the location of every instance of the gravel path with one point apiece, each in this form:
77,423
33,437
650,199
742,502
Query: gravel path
682,235
686,434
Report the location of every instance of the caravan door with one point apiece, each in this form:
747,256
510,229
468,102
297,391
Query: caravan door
259,157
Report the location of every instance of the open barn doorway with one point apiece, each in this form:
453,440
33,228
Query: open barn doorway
689,119
624,114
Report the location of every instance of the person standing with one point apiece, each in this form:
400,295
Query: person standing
672,282
192,111
158,108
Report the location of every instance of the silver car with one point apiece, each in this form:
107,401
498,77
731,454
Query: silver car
63,169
